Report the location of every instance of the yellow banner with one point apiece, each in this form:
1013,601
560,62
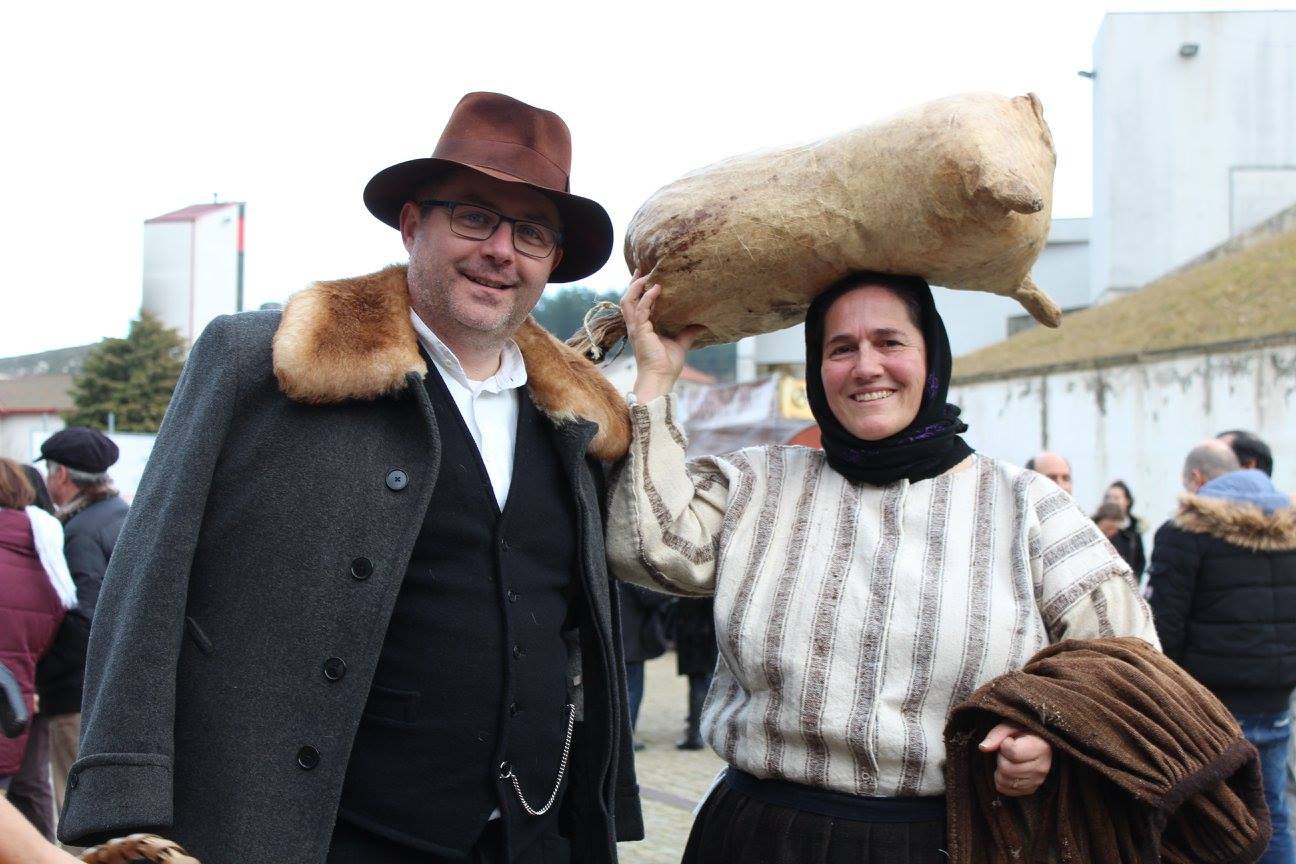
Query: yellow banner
792,399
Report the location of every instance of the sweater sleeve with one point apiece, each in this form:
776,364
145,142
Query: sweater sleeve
1086,589
1172,579
665,512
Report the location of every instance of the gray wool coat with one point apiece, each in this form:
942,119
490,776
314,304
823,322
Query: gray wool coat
241,569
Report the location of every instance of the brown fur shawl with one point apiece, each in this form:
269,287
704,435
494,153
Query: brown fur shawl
352,339
1148,766
1244,525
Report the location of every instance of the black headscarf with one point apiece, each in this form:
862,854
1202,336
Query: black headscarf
928,446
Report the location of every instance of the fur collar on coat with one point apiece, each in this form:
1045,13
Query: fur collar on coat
352,339
1244,525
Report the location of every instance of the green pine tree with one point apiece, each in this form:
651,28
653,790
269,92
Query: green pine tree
132,378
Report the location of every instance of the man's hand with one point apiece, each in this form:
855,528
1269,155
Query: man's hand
1024,759
659,359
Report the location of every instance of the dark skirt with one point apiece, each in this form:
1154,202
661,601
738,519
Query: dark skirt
752,821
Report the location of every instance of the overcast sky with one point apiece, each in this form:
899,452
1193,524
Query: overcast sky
118,112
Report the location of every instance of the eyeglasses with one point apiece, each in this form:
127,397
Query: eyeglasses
474,222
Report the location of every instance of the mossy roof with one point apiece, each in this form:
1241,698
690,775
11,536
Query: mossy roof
1247,295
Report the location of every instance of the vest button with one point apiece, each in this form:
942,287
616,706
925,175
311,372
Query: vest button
517,652
334,668
513,596
514,710
307,758
397,479
361,569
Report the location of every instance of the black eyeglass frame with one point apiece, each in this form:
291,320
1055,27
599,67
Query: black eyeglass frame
451,205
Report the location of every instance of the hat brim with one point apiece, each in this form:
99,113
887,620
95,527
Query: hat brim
587,228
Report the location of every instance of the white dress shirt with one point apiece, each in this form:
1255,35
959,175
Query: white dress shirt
489,408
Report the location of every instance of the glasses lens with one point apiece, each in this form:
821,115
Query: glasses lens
475,223
532,239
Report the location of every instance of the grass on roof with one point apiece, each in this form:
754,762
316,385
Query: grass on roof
1245,295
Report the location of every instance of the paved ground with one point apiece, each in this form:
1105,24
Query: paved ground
671,781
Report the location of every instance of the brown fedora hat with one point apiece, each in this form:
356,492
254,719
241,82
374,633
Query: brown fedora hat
509,140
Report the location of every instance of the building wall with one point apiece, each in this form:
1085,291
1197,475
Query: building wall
1188,150
1136,422
215,267
167,256
18,430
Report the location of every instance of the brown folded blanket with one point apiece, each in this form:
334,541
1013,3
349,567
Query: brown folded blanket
1148,766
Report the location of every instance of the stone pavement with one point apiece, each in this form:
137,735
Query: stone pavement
671,781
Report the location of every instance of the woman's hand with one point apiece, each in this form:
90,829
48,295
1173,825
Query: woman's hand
1024,759
659,359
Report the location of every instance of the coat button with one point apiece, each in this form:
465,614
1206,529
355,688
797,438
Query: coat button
397,479
361,569
307,758
334,668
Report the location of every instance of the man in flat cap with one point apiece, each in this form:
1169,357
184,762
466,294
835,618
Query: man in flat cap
77,460
360,611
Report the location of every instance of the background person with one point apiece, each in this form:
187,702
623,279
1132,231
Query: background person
77,460
968,565
35,593
1128,538
1223,582
695,657
31,789
1055,467
643,638
1250,449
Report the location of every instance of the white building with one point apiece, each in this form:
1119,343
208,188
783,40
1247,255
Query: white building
1194,136
193,266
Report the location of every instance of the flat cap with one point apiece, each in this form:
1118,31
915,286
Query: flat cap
80,449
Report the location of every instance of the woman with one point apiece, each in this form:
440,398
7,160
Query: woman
1128,538
861,591
35,592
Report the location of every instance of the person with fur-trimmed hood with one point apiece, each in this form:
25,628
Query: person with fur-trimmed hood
360,610
1223,582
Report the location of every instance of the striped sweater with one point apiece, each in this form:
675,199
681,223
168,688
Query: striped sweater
852,618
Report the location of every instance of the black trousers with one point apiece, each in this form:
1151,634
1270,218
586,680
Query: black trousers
352,845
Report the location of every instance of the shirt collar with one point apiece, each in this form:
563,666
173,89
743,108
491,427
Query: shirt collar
510,375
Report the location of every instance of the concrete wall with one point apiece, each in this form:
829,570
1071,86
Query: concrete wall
1137,421
215,267
167,256
1188,150
18,430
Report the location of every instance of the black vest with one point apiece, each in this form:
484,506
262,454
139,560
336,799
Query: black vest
473,669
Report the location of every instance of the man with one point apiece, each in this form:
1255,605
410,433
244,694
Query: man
77,460
361,611
1250,450
1054,467
1223,581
